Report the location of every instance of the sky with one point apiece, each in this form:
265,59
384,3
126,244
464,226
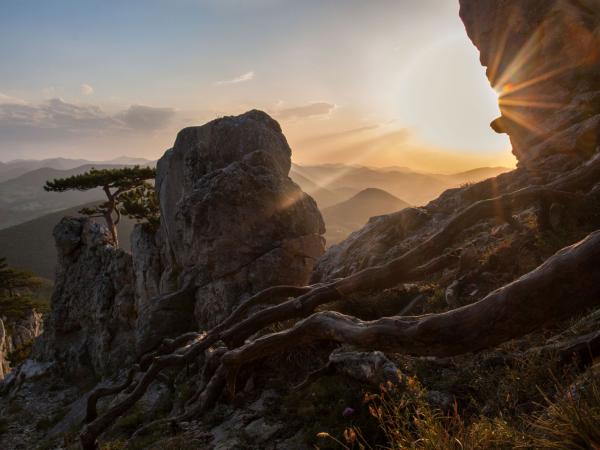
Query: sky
377,83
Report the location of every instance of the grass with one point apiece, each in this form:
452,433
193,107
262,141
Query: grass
525,407
320,407
572,421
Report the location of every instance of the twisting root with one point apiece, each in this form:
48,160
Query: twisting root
564,285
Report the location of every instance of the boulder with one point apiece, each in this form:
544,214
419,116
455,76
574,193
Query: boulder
231,215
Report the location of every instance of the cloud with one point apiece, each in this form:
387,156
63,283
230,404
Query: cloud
248,76
86,89
302,112
11,100
57,119
336,135
139,117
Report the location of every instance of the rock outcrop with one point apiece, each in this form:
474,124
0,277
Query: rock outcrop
233,223
91,327
17,333
231,218
543,57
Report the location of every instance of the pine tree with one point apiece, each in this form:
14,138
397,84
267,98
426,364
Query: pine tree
127,190
12,280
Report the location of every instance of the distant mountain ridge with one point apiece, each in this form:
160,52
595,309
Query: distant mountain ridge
23,198
413,187
350,215
15,168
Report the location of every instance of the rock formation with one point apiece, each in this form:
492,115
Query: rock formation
90,329
543,57
17,333
233,223
230,215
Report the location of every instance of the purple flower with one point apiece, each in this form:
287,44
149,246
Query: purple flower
348,412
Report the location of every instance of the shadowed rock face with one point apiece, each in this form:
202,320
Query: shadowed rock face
90,329
231,216
543,57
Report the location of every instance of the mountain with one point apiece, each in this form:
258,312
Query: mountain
23,198
475,175
323,196
416,188
15,168
30,245
350,215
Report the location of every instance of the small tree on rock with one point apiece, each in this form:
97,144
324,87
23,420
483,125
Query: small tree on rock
127,190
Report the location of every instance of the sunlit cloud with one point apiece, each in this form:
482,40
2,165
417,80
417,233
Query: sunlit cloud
7,99
86,89
248,76
329,137
301,112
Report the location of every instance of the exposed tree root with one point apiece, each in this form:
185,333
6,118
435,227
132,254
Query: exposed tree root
392,334
564,285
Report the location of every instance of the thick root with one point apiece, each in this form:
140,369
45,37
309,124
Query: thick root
564,285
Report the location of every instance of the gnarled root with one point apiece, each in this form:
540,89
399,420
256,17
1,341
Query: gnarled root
564,285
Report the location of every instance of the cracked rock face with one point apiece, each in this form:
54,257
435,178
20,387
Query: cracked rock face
543,56
232,216
90,329
15,333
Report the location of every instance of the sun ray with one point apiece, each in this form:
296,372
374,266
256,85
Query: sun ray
524,121
530,103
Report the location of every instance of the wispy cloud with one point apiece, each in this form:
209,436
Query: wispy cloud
86,89
7,99
248,76
310,110
57,118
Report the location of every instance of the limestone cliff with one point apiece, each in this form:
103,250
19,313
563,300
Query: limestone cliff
231,218
90,329
233,223
543,57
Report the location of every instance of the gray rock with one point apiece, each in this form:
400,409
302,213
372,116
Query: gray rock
570,127
261,431
15,333
452,294
440,400
230,213
373,368
90,329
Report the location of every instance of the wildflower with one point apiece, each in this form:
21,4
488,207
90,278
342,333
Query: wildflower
349,435
348,412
